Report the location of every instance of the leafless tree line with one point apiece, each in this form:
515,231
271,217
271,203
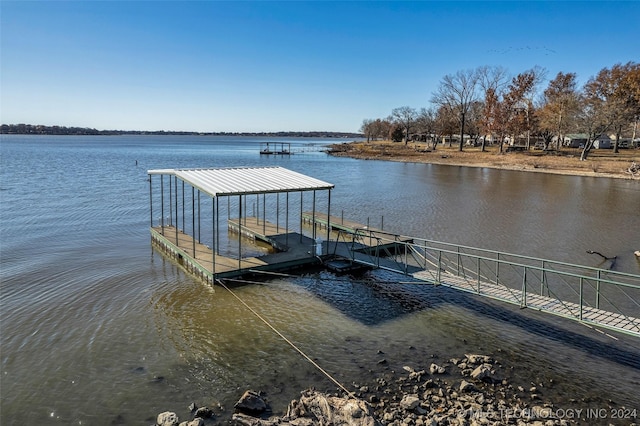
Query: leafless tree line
486,104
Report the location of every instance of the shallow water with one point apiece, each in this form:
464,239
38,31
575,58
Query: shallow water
97,327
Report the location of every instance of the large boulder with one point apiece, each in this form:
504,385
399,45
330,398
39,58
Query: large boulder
251,403
316,409
167,418
323,409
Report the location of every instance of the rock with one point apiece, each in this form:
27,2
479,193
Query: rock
246,420
204,413
477,359
195,422
323,409
436,369
466,386
193,406
482,372
167,418
409,402
251,403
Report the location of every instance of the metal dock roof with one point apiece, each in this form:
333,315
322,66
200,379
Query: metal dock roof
245,180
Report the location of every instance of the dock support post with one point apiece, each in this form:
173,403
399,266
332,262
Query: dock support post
199,222
150,203
313,234
542,278
406,264
328,221
217,223
301,216
170,203
581,288
183,215
478,274
523,302
598,291
193,219
162,204
264,214
176,186
239,232
286,220
213,241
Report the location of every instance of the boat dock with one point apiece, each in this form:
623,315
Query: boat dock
253,245
179,233
275,148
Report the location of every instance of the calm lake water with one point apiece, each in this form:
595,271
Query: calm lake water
99,328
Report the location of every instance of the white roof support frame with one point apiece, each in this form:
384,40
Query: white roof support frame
245,180
227,182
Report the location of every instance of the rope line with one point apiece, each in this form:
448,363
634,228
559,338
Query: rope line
315,364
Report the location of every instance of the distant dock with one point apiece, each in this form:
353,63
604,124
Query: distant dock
275,148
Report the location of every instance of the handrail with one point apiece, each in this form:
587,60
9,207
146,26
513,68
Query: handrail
571,286
399,237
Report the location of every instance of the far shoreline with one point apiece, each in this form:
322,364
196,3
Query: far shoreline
600,163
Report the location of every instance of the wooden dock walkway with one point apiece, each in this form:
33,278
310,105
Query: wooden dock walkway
368,236
180,246
257,229
584,313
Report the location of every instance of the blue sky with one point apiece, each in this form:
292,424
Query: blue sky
271,66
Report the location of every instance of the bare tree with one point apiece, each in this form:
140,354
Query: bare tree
367,128
519,101
456,93
492,82
426,123
405,117
610,102
446,124
559,107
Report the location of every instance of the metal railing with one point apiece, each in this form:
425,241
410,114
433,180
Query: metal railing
597,296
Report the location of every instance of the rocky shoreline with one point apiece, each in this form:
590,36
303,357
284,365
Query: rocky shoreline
468,391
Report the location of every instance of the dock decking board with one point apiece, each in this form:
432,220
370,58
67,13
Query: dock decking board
297,254
369,240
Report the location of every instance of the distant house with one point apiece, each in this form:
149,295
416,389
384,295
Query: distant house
579,140
603,142
573,140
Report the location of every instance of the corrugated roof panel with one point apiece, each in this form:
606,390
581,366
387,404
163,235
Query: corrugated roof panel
246,180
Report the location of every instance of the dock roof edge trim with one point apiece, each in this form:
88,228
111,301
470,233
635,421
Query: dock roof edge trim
245,180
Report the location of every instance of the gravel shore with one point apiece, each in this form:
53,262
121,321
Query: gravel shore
466,391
